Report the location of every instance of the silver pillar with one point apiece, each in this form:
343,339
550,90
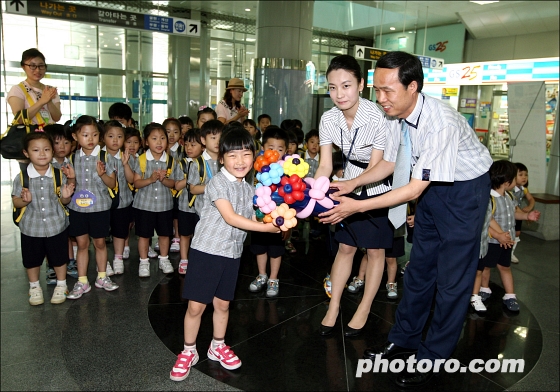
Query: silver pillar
553,172
284,38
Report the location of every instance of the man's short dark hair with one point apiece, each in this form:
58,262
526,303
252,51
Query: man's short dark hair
410,67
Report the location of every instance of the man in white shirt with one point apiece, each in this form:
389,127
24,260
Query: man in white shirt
450,178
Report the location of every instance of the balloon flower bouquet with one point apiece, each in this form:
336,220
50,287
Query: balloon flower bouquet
283,194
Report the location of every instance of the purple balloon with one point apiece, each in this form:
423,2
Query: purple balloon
265,169
296,161
279,221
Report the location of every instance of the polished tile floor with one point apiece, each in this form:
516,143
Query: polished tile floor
128,339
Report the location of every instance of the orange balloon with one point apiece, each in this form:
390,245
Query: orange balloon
267,218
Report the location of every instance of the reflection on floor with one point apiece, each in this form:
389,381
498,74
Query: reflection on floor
128,339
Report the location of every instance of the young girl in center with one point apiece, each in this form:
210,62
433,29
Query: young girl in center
177,151
216,249
90,208
121,217
155,173
44,222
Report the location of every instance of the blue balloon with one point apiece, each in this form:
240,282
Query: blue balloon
288,188
296,161
265,169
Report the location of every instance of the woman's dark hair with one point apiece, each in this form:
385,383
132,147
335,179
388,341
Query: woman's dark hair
347,63
410,67
83,121
206,110
236,139
192,135
228,99
502,171
57,131
185,120
132,132
112,124
31,54
152,127
36,136
211,127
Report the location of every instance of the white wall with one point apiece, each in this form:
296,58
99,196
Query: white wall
528,46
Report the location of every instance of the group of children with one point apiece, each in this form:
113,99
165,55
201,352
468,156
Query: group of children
160,181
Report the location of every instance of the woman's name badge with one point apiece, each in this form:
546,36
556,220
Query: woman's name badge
45,114
84,198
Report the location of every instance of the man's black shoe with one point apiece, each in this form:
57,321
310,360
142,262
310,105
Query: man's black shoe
415,379
389,351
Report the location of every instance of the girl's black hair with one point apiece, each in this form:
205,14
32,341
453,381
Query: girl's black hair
83,121
193,135
206,110
522,167
171,120
36,136
112,124
131,132
185,120
337,162
151,127
292,137
250,122
502,171
287,124
211,127
57,131
347,63
236,139
31,54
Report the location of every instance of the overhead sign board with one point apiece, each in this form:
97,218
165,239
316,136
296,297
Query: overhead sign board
367,53
104,16
374,54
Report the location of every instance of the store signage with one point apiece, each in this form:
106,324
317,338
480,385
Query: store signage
103,16
450,92
468,103
431,62
546,69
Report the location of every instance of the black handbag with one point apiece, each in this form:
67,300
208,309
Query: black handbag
11,142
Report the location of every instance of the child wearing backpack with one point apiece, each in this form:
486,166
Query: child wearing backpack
38,196
503,210
90,207
121,213
188,218
62,148
155,173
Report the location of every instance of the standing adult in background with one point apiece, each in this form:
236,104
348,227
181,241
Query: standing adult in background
450,178
41,101
230,108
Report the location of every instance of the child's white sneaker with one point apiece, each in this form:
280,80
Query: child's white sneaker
36,296
118,266
59,295
144,270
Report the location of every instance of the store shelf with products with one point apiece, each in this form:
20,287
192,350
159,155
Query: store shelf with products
498,137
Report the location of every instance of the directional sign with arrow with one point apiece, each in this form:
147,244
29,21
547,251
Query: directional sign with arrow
17,6
193,28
